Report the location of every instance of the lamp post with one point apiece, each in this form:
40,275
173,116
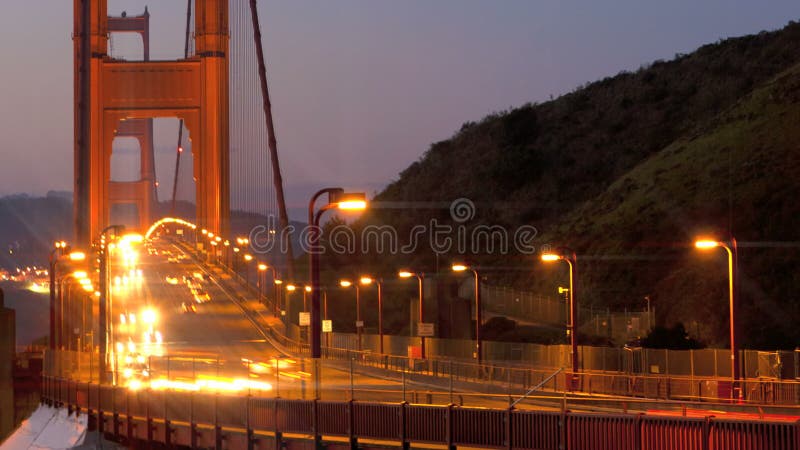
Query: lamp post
419,277
478,308
359,322
731,248
306,290
337,199
60,248
104,300
367,280
289,289
570,258
276,292
262,269
247,258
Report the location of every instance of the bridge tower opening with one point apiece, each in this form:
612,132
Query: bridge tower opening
116,98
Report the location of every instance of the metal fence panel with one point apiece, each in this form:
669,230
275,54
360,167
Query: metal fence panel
602,432
478,426
536,430
426,423
670,433
377,420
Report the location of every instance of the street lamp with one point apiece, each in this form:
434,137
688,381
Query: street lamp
359,323
104,300
337,199
247,258
570,258
731,248
306,290
478,308
419,276
275,283
366,281
60,248
287,303
261,269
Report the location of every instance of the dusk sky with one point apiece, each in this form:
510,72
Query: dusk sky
362,88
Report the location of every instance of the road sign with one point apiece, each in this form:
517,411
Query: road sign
359,324
179,232
304,319
425,329
327,326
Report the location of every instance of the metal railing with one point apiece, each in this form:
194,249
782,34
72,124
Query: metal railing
241,422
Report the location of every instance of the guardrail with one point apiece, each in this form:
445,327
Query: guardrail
219,421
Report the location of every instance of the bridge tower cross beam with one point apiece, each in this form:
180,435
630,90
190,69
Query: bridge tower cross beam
142,192
109,91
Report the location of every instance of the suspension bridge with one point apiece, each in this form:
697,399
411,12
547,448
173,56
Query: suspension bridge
170,332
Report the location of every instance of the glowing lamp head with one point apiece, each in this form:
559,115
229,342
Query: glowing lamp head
352,205
133,238
366,280
218,239
262,267
459,267
278,282
351,201
345,283
79,274
550,257
88,287
307,288
248,257
705,244
291,287
405,274
204,231
77,256
149,316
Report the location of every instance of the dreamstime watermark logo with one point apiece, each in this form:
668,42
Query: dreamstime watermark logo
458,237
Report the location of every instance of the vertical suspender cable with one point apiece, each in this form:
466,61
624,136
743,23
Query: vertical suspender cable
272,142
179,150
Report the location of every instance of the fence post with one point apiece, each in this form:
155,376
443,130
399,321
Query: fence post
351,425
403,418
277,431
509,441
167,428
192,422
149,417
449,427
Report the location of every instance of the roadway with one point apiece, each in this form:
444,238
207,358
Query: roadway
217,342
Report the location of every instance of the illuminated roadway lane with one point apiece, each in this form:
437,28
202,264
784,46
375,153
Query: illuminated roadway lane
218,331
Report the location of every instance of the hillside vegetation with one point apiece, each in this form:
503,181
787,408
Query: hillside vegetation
627,171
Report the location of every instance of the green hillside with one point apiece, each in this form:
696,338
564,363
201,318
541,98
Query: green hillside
626,171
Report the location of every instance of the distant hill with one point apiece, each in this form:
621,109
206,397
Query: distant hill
627,171
29,226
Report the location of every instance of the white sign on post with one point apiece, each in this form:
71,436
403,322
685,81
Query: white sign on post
425,329
304,319
327,326
359,324
179,232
